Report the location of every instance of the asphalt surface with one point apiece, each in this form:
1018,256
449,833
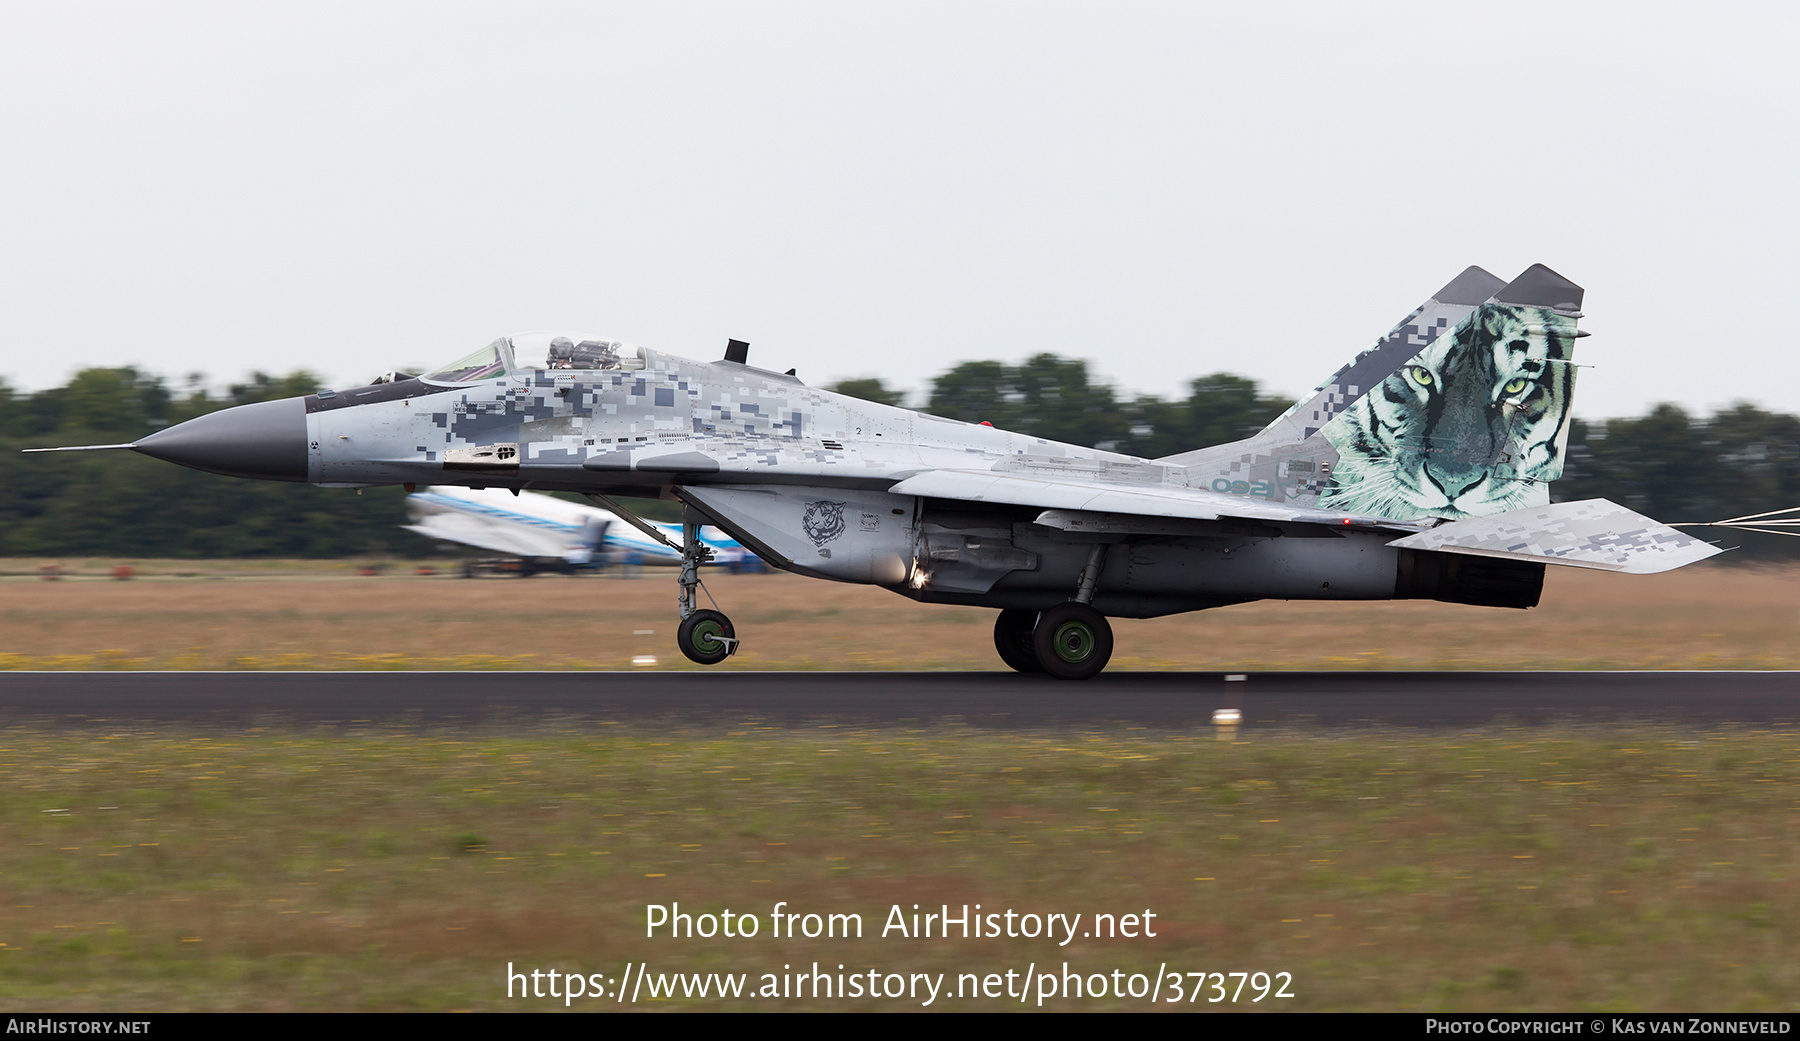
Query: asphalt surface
987,699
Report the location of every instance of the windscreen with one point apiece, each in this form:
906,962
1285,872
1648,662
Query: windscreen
486,363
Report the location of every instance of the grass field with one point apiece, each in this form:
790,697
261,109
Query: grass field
1540,869
167,868
297,615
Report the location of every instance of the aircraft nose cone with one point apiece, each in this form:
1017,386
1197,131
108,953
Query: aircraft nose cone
266,440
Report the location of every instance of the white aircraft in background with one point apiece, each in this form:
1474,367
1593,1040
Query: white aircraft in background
551,534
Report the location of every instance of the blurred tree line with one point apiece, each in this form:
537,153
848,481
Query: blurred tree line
128,505
1667,464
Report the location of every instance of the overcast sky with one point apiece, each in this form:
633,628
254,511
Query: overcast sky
1166,190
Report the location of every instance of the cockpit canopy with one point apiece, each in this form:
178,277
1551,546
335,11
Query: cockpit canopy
560,350
527,352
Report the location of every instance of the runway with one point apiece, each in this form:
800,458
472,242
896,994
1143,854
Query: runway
986,699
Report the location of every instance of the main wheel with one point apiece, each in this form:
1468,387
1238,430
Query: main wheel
1012,638
1073,642
705,637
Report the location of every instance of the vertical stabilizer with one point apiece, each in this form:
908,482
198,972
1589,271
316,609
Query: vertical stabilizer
1445,309
1475,424
1461,411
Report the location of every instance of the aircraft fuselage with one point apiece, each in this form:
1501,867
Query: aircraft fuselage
802,476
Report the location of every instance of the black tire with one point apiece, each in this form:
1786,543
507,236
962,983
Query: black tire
699,637
1073,642
1013,639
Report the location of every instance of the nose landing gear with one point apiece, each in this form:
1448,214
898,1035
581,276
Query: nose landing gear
706,637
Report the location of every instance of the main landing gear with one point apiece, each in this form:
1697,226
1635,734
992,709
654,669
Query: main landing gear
706,637
1071,641
1013,638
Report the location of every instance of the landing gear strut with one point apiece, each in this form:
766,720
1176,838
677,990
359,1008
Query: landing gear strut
706,637
1071,641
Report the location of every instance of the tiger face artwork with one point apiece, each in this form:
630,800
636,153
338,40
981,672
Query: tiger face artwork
1475,424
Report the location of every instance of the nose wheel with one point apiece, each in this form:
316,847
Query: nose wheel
707,637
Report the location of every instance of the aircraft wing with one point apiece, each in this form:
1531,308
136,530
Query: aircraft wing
498,536
1591,533
1169,502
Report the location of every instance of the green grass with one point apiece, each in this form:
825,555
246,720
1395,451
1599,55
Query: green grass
1571,869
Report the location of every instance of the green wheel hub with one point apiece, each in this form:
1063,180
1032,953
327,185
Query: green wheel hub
706,636
1074,642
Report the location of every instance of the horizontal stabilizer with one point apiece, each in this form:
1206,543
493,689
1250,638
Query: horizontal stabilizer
1592,533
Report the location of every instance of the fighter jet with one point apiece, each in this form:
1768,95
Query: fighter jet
1421,469
543,533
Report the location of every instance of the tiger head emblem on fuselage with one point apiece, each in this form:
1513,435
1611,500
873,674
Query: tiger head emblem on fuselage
823,521
1473,425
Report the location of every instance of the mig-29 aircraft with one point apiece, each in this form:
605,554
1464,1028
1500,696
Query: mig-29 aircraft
1419,470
